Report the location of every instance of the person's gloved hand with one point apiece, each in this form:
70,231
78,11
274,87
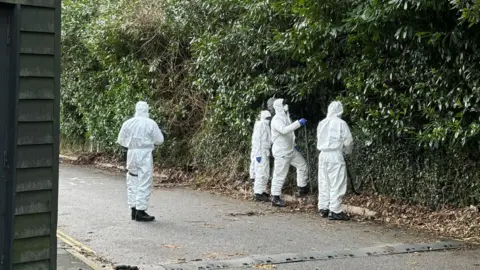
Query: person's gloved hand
302,122
259,159
296,148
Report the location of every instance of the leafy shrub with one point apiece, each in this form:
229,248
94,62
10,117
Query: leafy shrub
406,71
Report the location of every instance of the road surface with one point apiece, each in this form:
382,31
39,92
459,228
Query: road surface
193,226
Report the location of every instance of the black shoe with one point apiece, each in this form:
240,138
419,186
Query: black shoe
323,212
339,216
264,197
302,191
134,213
277,201
143,216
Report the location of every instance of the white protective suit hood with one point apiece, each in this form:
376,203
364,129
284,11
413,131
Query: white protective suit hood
278,106
141,109
335,109
264,115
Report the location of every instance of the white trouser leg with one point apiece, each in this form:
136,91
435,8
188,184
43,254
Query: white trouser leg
252,167
302,170
132,185
262,172
323,184
145,180
131,189
280,171
337,173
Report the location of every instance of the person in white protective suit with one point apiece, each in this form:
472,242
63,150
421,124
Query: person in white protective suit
139,135
252,159
285,152
261,144
333,140
270,109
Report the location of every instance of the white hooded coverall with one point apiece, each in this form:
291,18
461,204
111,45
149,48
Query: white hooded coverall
283,138
139,134
333,139
261,144
252,158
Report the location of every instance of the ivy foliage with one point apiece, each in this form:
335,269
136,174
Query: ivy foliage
406,71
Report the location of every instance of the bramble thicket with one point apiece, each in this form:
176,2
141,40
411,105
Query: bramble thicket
407,72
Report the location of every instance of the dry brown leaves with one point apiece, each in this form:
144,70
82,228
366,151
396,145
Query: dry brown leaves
264,266
87,159
93,158
172,176
217,255
461,223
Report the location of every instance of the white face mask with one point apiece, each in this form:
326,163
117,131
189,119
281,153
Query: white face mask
285,107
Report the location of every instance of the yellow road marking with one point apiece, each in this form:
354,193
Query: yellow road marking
72,242
77,250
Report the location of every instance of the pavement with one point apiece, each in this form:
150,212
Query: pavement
67,261
193,226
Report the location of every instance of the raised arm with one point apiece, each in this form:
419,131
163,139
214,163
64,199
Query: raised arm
283,129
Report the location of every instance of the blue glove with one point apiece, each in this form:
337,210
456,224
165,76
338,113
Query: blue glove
259,159
303,122
296,148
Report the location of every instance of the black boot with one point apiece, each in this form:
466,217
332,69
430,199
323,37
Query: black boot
143,216
264,197
339,216
323,212
302,191
277,201
134,213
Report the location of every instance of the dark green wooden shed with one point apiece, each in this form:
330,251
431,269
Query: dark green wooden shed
29,132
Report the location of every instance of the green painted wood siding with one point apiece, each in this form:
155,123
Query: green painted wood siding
36,180
38,3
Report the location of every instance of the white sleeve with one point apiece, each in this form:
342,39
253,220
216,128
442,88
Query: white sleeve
347,139
123,135
280,127
157,135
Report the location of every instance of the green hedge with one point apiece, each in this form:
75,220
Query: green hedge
406,71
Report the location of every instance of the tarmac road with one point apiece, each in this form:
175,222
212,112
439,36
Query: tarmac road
193,226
